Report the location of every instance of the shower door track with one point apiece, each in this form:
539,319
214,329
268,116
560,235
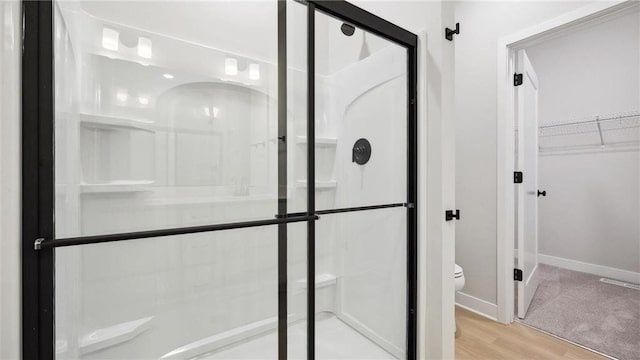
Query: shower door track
38,184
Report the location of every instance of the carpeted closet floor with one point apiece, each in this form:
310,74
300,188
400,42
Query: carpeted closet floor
580,308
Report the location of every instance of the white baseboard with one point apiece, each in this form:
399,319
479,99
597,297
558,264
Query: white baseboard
608,272
478,306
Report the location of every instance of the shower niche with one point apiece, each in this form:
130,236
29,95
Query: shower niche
160,126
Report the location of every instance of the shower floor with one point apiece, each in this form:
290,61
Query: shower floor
334,340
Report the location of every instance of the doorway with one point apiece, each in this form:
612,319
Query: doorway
183,191
572,133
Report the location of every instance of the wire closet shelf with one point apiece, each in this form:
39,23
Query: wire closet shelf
621,130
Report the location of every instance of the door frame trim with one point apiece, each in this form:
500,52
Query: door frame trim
506,52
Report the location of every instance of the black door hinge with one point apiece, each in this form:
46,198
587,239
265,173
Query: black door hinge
517,177
448,33
517,274
450,215
517,79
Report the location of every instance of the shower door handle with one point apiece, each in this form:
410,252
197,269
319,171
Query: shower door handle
542,193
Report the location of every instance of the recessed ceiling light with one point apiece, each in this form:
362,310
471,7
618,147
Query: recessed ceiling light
167,76
143,100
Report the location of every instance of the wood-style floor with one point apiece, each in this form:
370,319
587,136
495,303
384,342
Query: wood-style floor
481,338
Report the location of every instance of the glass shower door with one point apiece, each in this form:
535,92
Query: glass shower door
162,128
361,192
173,179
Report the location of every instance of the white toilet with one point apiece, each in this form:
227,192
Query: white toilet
459,277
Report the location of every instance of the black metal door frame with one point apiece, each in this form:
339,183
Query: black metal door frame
354,15
38,177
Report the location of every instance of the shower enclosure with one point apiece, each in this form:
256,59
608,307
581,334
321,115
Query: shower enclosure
218,180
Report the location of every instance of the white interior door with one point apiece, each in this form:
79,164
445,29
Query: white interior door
527,199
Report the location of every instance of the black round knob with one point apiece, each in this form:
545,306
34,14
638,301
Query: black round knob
361,152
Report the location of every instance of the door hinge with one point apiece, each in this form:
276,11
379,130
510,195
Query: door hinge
448,33
517,79
517,274
517,177
450,215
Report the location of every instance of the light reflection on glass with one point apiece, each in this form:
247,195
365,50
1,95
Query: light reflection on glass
110,39
231,66
254,71
144,47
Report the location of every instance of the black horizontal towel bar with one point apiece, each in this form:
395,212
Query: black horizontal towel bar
353,209
95,239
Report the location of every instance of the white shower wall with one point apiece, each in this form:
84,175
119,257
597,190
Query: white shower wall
366,98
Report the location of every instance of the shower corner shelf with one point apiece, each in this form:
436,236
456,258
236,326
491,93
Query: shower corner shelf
125,186
322,280
329,184
105,121
320,141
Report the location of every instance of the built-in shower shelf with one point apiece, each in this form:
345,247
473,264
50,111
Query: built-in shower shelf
330,184
320,141
107,337
322,280
109,122
209,200
103,121
122,186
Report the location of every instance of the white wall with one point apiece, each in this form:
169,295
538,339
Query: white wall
482,24
591,210
591,70
10,23
592,206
